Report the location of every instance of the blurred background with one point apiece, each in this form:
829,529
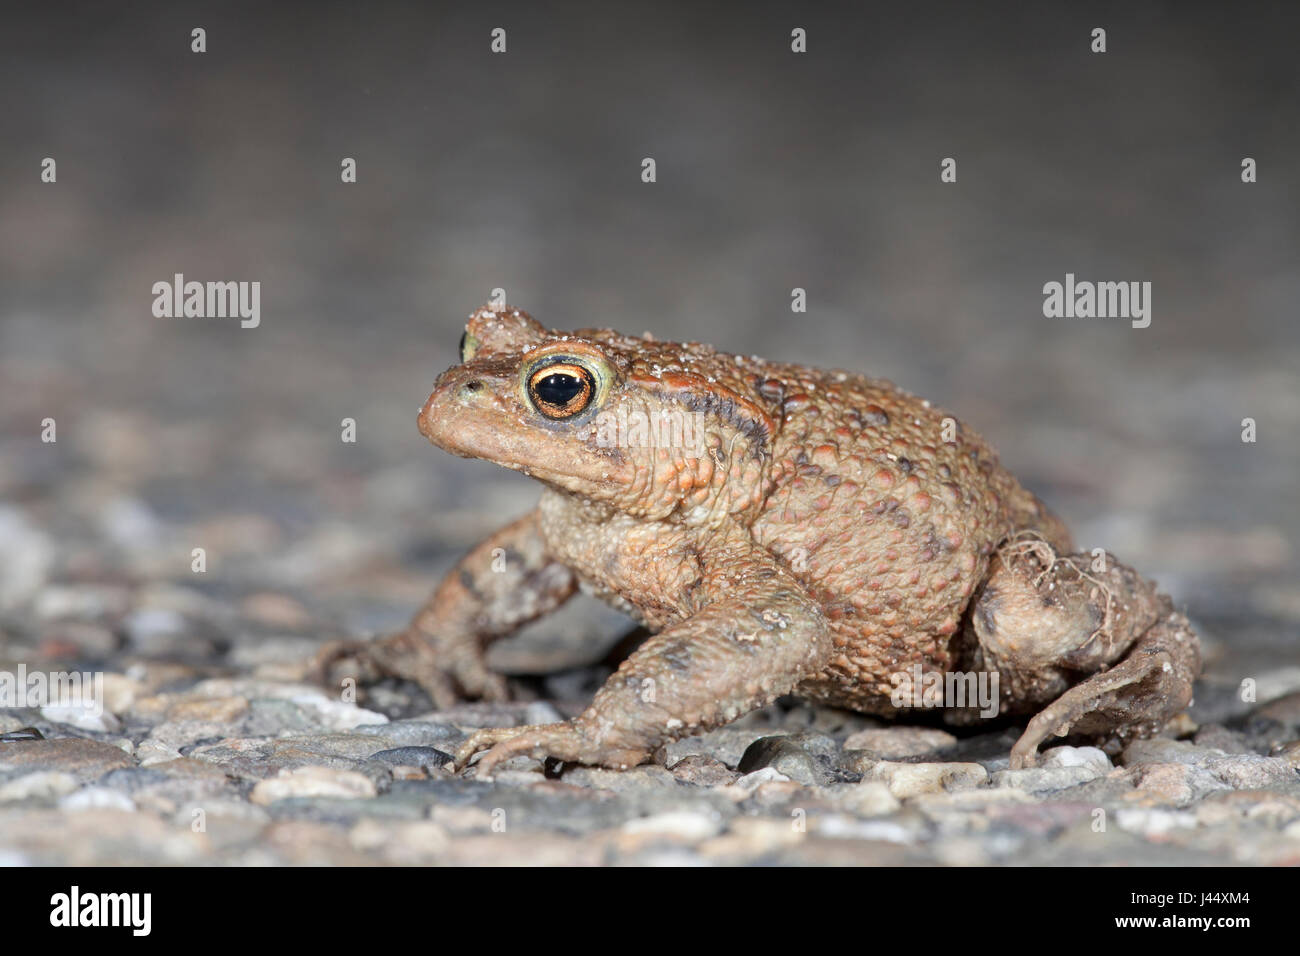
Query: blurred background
522,171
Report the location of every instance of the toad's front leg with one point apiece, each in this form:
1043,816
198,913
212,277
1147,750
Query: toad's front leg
756,636
508,580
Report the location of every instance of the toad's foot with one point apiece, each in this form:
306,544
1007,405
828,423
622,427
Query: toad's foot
1087,639
569,741
505,582
1135,698
448,677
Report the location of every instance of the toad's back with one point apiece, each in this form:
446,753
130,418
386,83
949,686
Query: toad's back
888,510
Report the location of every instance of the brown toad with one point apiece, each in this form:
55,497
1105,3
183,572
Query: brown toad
781,530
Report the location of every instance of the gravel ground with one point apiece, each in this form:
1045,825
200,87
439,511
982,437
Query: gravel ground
522,172
256,769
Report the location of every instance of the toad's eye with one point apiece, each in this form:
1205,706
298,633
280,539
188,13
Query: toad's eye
468,346
561,391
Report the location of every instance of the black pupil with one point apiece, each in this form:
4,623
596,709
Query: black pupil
558,389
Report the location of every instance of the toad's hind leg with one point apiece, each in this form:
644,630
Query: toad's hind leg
1088,637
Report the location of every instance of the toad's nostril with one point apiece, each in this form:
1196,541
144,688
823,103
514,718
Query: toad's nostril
471,386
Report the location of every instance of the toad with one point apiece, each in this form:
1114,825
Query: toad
779,530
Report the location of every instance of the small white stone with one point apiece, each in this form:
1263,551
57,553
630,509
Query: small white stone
752,781
909,779
83,718
335,714
1077,757
313,782
97,798
687,824
44,783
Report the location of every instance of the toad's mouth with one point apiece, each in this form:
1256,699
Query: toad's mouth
468,417
464,417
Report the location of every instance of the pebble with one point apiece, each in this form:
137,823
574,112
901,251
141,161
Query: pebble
337,714
785,756
752,781
1153,823
1228,807
82,718
1218,737
120,691
150,752
1045,779
645,779
313,782
857,763
13,732
329,712
42,785
680,824
892,743
982,800
272,717
816,743
404,843
727,744
422,757
909,779
1076,757
416,733
1253,772
702,771
84,759
842,827
870,798
220,710
1162,750
1165,783
1241,771
97,798
751,838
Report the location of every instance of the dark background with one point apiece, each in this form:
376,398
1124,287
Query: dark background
522,171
